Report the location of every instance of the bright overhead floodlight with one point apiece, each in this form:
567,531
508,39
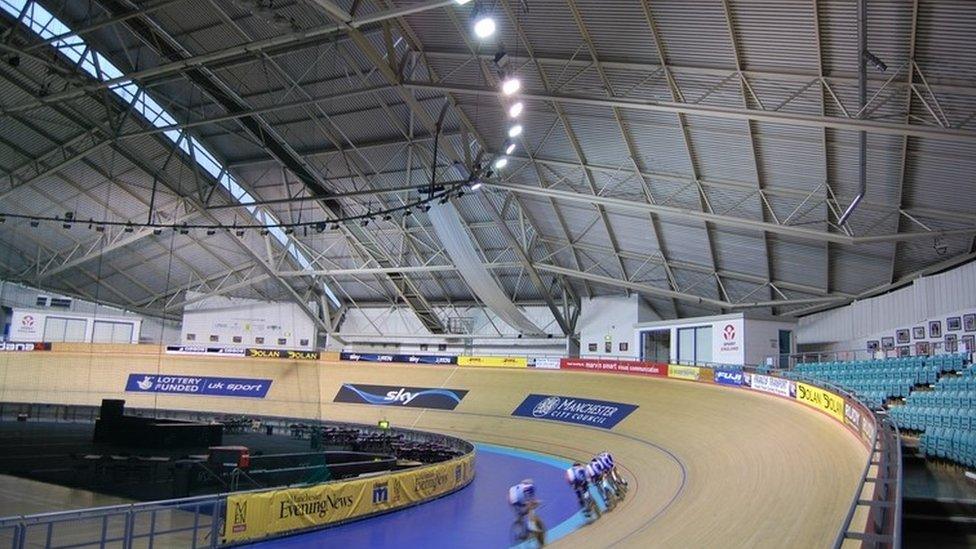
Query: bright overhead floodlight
462,2
515,131
510,148
484,25
511,85
476,184
501,163
516,109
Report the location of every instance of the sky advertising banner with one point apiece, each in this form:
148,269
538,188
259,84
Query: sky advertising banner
391,395
389,357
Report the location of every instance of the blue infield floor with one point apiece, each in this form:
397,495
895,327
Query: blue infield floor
477,516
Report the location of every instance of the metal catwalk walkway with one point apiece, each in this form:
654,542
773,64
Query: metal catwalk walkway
477,516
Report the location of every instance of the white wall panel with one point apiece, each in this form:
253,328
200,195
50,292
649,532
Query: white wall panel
931,297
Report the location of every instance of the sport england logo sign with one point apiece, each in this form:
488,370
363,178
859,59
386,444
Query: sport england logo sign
581,411
187,385
410,397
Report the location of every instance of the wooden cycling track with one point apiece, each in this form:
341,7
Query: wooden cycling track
709,466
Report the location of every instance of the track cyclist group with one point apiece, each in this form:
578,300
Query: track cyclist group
599,475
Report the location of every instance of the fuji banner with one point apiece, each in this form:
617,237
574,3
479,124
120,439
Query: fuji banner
728,377
581,411
410,397
190,385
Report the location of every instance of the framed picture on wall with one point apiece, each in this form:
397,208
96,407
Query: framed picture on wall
623,346
591,347
922,348
951,343
953,324
935,329
968,343
902,335
887,343
904,350
969,322
918,332
873,345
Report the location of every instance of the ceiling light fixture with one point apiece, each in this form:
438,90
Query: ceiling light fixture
515,130
510,148
516,109
501,163
511,85
484,25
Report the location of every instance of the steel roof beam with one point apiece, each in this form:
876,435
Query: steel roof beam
795,119
729,221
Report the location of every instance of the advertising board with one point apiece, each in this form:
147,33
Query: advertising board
411,397
678,371
255,515
615,366
493,361
193,385
546,363
772,385
729,377
821,399
283,354
581,411
8,347
406,358
203,350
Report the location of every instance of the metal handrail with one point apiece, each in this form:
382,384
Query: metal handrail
890,444
21,524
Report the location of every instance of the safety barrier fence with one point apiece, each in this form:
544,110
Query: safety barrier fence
235,517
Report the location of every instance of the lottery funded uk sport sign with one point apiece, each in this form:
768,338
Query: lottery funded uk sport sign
195,385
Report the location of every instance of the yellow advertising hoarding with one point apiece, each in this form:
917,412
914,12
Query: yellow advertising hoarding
494,361
257,515
683,372
825,401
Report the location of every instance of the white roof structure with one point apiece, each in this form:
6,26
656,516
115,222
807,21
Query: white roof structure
697,152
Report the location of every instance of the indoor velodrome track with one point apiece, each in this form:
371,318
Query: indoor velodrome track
708,466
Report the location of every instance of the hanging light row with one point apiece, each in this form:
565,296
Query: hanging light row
483,25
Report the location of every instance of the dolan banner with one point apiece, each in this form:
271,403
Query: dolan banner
825,401
253,516
494,361
282,353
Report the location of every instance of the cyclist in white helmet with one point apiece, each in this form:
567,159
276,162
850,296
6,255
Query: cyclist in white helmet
522,498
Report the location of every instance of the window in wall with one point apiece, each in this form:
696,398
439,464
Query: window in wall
623,346
423,346
591,347
237,339
303,342
191,337
214,338
442,347
656,346
105,331
259,341
695,345
57,329
282,341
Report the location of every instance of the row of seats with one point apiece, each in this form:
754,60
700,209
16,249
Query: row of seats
956,444
964,382
922,418
943,397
